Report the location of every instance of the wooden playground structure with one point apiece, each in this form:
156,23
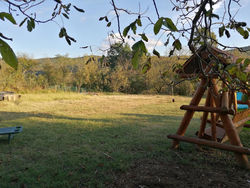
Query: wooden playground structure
225,120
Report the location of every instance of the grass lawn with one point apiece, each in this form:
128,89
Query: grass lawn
79,140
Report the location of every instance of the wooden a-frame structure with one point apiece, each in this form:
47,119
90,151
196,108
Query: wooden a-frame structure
222,107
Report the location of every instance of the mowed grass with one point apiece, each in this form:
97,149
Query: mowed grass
79,140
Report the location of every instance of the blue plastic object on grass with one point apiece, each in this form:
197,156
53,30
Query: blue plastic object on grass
10,131
239,98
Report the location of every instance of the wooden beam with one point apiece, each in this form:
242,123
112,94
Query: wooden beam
189,114
213,144
207,109
213,121
204,117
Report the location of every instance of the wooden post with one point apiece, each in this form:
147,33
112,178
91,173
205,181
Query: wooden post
230,129
213,120
235,102
189,114
204,117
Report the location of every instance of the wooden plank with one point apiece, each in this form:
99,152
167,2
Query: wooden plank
207,109
213,144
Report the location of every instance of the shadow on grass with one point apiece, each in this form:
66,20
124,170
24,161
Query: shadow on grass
5,116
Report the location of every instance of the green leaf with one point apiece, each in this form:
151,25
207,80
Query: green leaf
65,15
108,24
156,53
248,29
158,26
227,33
241,31
144,37
171,53
140,45
101,18
23,22
169,24
177,44
139,49
246,34
29,26
32,22
78,9
62,32
8,55
138,21
146,67
8,17
167,42
133,27
135,59
221,30
126,30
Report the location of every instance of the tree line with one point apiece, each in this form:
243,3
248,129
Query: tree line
111,73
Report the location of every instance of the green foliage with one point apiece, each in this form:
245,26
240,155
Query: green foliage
158,25
169,24
30,24
4,15
8,55
177,44
139,49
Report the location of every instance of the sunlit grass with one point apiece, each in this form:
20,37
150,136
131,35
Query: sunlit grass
73,140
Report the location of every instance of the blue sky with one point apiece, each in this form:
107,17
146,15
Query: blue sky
87,30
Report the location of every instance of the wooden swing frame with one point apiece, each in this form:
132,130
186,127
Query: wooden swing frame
218,106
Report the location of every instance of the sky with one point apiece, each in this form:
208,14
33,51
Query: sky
86,28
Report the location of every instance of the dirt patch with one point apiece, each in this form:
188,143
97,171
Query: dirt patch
159,174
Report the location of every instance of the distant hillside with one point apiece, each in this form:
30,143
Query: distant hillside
245,51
